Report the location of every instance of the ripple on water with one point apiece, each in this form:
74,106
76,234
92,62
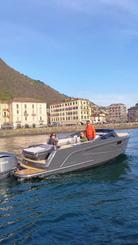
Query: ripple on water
98,206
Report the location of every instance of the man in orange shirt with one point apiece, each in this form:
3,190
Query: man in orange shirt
90,131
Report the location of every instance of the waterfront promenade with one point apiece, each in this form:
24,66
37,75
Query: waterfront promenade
61,129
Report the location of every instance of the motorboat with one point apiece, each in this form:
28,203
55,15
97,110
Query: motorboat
71,154
8,164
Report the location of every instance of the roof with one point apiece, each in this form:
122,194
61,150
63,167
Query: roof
31,100
69,100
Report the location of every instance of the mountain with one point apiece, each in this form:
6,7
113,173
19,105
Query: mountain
13,84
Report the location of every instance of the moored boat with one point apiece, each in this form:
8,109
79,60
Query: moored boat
71,155
8,164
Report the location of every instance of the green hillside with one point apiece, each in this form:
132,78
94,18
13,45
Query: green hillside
13,84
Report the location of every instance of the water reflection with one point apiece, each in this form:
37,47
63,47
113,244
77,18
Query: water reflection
72,208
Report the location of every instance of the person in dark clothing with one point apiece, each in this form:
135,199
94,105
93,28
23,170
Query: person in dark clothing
53,140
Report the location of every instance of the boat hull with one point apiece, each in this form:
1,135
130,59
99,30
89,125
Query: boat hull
79,157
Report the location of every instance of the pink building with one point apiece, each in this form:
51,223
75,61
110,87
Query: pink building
117,113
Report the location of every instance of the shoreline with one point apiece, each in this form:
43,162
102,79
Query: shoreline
61,129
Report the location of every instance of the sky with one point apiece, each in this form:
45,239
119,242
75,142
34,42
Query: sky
82,48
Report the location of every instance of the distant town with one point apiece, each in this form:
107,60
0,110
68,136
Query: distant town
28,112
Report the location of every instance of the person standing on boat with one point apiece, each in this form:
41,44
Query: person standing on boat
90,131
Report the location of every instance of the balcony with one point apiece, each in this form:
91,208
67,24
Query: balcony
6,116
6,110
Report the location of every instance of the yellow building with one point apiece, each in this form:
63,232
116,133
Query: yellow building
5,116
70,112
23,112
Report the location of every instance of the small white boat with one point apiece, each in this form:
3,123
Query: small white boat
71,155
8,164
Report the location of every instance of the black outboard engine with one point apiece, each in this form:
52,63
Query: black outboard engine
8,164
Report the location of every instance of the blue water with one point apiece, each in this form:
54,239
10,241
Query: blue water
97,206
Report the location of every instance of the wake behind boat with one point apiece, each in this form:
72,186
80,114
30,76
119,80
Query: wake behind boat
71,155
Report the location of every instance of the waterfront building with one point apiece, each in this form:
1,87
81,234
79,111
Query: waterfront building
117,113
23,112
5,116
133,114
98,114
99,117
70,112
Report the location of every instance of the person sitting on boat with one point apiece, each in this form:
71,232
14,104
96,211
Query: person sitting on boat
53,140
90,131
83,137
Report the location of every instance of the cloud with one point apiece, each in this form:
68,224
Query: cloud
17,33
118,15
130,32
127,6
122,5
106,100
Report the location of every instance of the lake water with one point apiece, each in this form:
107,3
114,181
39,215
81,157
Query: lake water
97,206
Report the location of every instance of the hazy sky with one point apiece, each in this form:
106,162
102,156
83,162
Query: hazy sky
82,48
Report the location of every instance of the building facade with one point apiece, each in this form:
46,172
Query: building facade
23,113
117,113
70,112
5,115
99,117
133,114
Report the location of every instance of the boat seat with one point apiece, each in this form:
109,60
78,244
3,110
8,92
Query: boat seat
67,141
34,161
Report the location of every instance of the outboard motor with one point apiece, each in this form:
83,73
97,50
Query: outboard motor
8,164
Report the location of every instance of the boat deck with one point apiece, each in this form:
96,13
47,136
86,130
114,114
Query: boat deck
34,161
122,134
29,171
